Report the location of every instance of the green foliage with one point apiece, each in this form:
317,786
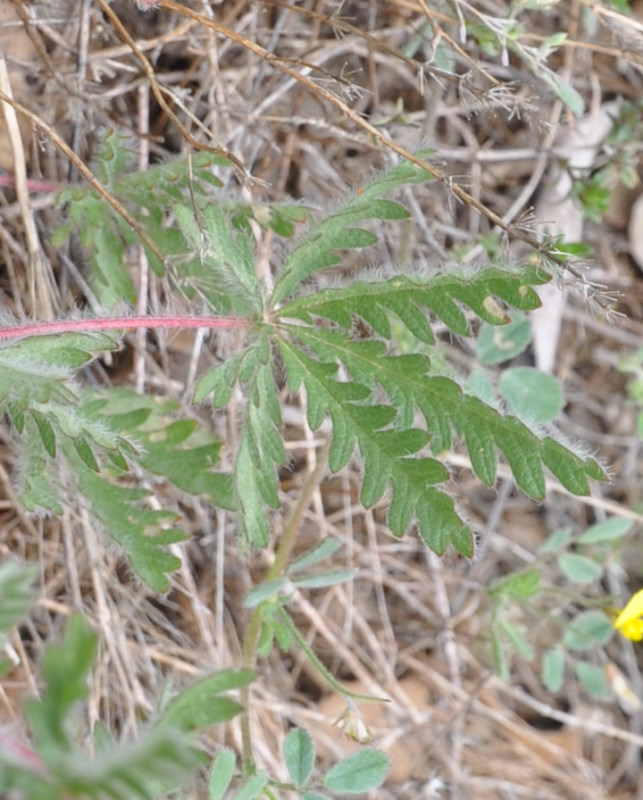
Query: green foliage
532,394
360,772
593,679
200,706
584,630
495,345
299,755
162,759
391,408
553,669
588,629
355,774
149,196
16,594
592,196
168,445
370,392
100,438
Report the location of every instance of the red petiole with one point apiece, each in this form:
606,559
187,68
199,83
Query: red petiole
118,323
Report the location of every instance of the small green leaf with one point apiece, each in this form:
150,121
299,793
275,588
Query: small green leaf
589,629
579,569
556,541
315,555
264,592
85,452
478,384
522,450
253,787
533,395
198,706
553,669
609,530
498,343
520,585
593,679
221,774
570,97
361,772
325,579
299,755
46,431
571,470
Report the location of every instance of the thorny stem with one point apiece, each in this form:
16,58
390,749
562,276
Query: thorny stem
119,323
282,557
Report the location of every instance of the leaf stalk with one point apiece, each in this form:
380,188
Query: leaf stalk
90,325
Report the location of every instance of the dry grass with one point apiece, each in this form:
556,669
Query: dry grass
412,627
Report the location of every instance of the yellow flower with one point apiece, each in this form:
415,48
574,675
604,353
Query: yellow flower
629,622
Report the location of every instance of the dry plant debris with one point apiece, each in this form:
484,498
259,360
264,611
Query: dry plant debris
269,82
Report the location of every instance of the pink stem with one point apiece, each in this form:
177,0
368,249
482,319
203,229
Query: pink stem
33,184
116,323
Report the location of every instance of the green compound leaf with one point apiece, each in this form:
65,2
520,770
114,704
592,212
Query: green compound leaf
140,531
178,449
148,196
407,381
412,300
261,448
360,772
43,403
391,457
320,248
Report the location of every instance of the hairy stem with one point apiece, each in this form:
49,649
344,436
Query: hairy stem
118,323
278,568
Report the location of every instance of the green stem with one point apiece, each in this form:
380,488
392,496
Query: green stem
278,568
293,630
